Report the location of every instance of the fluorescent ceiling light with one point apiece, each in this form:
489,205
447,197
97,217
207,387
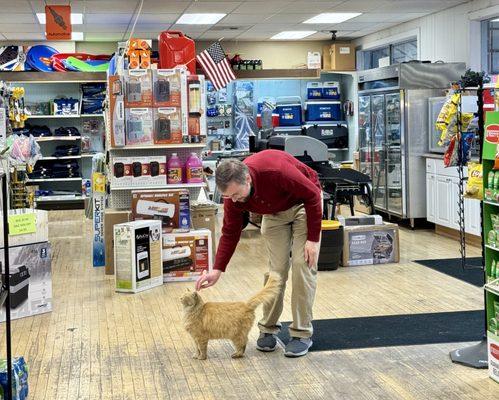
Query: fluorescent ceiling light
77,36
494,20
331,18
76,18
289,35
200,19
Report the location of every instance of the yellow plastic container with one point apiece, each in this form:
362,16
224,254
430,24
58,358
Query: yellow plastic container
328,225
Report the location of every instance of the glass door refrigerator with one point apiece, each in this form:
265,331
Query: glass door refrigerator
393,131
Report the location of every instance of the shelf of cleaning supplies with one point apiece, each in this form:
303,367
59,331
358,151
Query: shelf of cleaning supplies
162,146
169,186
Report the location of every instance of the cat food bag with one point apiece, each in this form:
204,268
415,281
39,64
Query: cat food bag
474,186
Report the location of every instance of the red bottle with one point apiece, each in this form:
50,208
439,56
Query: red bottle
176,49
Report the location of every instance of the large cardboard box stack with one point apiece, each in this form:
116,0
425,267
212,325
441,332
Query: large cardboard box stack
371,244
204,216
339,57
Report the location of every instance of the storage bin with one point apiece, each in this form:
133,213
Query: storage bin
331,246
289,110
323,111
331,90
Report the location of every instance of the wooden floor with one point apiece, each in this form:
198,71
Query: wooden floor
98,344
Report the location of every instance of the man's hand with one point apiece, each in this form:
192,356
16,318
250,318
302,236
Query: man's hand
311,253
207,280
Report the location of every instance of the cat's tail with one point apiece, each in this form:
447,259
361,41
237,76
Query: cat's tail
267,294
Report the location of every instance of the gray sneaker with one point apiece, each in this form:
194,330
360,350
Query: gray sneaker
297,347
266,342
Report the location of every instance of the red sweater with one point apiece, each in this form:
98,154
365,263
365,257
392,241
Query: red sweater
279,182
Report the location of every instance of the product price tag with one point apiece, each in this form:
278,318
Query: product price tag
22,224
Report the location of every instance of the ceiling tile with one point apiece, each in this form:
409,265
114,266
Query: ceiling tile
362,6
107,6
264,7
213,7
15,6
21,28
6,18
165,6
103,36
220,34
24,36
306,6
281,18
106,28
107,18
241,19
39,5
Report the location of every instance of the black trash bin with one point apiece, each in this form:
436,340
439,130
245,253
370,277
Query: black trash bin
331,246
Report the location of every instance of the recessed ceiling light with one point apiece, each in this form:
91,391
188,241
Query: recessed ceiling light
331,18
290,35
200,19
77,36
76,18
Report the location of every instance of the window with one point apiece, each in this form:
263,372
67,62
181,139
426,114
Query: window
490,44
397,53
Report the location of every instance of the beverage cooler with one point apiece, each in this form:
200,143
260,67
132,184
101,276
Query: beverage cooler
393,131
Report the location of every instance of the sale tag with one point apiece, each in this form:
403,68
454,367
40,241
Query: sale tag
21,224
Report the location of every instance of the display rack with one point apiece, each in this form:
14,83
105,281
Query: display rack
43,87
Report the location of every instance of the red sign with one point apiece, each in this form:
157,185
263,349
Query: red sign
58,22
492,133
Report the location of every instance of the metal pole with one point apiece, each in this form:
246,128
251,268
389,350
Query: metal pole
7,284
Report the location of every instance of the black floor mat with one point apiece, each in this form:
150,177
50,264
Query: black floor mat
452,267
395,330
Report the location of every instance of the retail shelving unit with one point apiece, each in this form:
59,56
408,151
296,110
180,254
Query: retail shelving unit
44,87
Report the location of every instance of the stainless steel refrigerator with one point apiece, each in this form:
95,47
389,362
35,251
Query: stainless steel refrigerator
393,131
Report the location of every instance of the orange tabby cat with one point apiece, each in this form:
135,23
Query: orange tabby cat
224,320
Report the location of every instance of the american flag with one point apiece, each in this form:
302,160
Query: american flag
216,66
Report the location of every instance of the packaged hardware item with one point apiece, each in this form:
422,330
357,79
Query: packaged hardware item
116,110
139,126
30,280
169,87
149,171
137,256
186,255
196,93
170,206
138,85
474,186
121,171
169,127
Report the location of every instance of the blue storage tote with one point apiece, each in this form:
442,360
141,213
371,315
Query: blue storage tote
331,90
314,90
323,111
289,110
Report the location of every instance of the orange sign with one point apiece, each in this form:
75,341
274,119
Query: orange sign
58,19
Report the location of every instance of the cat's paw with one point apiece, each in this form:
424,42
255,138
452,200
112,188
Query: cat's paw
202,357
195,355
237,355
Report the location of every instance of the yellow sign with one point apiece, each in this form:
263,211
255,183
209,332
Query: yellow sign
98,182
21,224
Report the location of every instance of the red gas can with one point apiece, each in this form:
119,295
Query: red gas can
176,49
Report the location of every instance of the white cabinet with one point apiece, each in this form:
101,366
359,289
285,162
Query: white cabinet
442,199
430,197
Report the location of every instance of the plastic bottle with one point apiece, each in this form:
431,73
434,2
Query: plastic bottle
194,169
175,168
490,180
493,269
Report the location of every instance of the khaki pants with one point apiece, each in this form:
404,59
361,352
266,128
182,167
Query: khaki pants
286,232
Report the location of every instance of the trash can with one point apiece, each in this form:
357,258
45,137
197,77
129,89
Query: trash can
331,246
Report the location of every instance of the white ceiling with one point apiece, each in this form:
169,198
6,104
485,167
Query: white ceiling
110,20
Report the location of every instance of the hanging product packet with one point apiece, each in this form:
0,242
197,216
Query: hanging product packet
451,154
496,159
474,186
449,109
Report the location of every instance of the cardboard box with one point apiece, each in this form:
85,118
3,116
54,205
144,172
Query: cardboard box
138,85
371,244
40,235
169,125
186,255
171,207
339,57
204,216
112,217
116,111
139,126
137,256
493,352
30,280
360,220
169,87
